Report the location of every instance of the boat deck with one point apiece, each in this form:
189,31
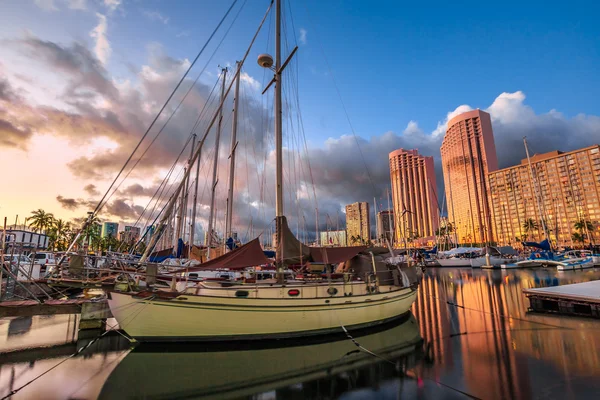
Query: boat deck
580,299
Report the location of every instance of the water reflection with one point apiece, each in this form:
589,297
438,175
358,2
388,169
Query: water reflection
486,343
301,368
478,336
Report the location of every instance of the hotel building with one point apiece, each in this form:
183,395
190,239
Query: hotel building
568,185
468,155
414,195
358,222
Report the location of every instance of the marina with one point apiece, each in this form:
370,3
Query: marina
469,334
195,207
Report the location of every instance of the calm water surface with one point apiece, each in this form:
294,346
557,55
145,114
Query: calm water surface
470,336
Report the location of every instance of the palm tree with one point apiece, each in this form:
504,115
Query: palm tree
578,237
92,232
585,228
40,220
60,230
530,225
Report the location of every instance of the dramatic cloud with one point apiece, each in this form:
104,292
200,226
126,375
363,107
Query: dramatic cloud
302,38
91,190
97,107
102,46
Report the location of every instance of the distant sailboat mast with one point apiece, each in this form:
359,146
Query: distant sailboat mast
535,190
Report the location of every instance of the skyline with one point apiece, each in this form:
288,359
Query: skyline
42,111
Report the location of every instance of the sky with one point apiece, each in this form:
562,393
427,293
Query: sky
81,81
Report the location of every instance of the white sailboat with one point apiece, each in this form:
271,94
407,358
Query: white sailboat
369,291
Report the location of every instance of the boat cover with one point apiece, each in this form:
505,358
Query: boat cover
543,245
290,249
334,255
461,250
248,255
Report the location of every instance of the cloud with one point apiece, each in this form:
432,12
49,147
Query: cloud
120,208
91,190
250,81
112,5
13,136
183,34
68,203
50,5
302,38
102,46
46,5
156,16
118,111
77,4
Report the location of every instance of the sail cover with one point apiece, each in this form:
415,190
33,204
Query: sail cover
248,255
543,245
334,255
290,249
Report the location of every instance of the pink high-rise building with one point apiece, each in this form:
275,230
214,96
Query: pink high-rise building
414,195
468,155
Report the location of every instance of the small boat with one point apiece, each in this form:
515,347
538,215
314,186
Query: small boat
575,259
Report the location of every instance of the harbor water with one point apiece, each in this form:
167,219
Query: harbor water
469,336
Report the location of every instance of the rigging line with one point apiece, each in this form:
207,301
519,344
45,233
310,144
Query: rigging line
183,99
160,189
99,206
342,102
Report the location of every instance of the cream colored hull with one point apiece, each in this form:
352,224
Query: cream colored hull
191,317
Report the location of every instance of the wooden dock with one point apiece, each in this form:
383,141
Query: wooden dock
27,308
579,299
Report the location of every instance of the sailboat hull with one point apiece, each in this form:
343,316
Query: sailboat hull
206,318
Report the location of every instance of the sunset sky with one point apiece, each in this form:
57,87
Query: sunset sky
81,80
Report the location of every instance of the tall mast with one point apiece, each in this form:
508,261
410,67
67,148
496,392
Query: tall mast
186,190
318,242
391,230
278,114
215,164
193,218
229,216
535,189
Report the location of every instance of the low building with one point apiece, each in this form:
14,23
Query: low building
24,239
334,238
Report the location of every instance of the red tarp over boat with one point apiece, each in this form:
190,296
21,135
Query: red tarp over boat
334,255
248,255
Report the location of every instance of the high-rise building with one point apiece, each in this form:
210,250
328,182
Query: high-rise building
110,229
468,155
414,195
385,225
567,186
358,223
333,238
